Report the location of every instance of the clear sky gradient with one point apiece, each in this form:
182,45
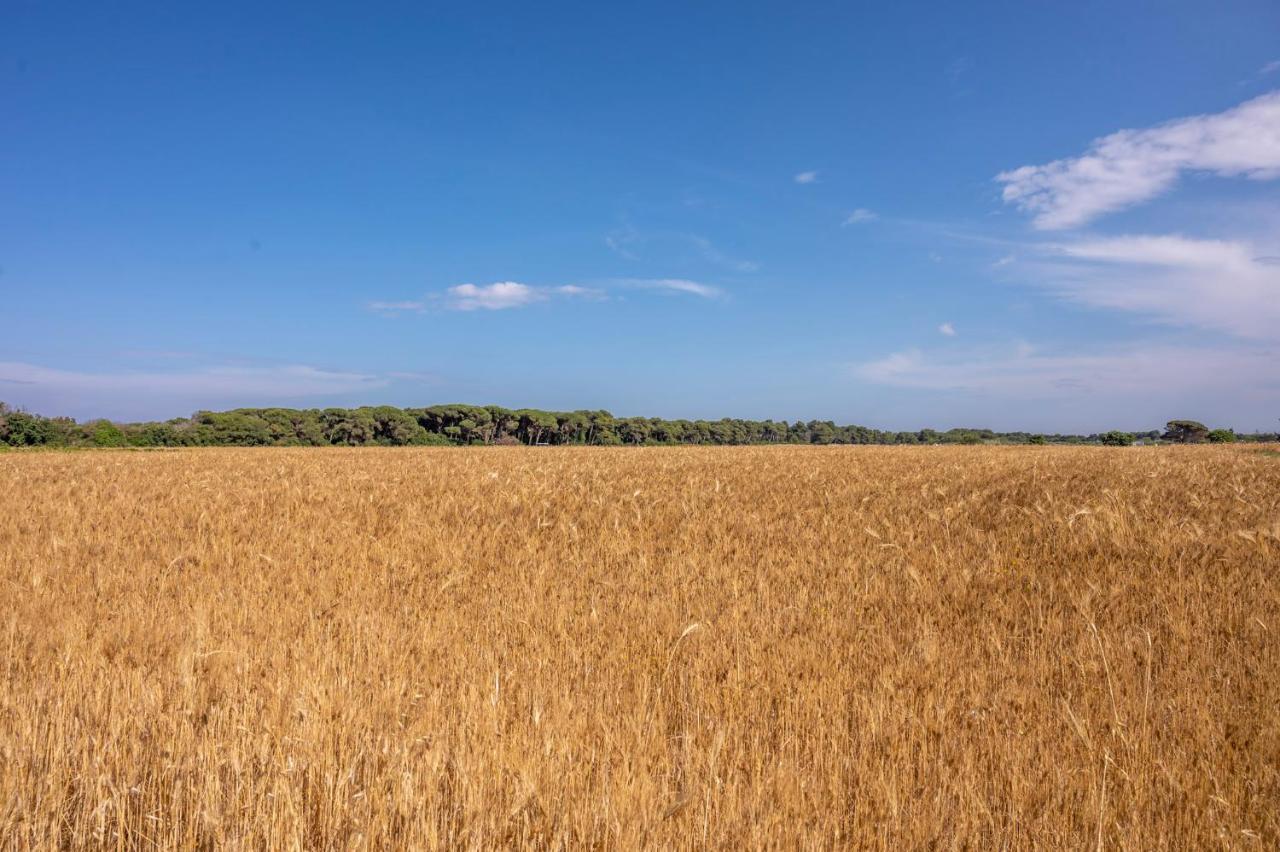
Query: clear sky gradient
1013,215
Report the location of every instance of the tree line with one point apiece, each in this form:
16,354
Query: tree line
454,425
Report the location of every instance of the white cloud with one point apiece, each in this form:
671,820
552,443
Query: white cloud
861,215
1161,250
503,295
1005,261
1132,166
947,329
493,297
676,285
166,393
806,177
1270,68
1218,285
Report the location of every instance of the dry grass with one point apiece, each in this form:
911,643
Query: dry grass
669,648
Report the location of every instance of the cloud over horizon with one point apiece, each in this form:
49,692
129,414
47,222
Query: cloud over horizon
55,391
1125,378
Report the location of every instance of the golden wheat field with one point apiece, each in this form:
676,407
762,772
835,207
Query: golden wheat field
781,647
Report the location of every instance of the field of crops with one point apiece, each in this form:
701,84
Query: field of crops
668,648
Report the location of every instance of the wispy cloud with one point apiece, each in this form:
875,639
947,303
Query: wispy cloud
622,240
957,73
594,293
958,68
718,257
676,285
501,295
1219,285
165,393
861,215
947,330
292,380
414,376
1264,71
1083,387
1023,372
407,306
632,244
1132,166
806,177
144,353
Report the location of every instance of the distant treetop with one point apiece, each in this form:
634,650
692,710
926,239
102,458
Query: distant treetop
459,424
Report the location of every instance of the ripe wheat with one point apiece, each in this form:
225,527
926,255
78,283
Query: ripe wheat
666,648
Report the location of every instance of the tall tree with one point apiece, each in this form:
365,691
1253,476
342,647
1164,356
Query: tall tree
1186,432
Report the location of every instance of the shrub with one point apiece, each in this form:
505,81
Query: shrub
21,429
104,433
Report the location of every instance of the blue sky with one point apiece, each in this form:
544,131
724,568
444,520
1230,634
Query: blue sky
1014,215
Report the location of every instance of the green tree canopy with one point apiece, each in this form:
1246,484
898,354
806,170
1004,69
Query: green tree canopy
1186,432
387,425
